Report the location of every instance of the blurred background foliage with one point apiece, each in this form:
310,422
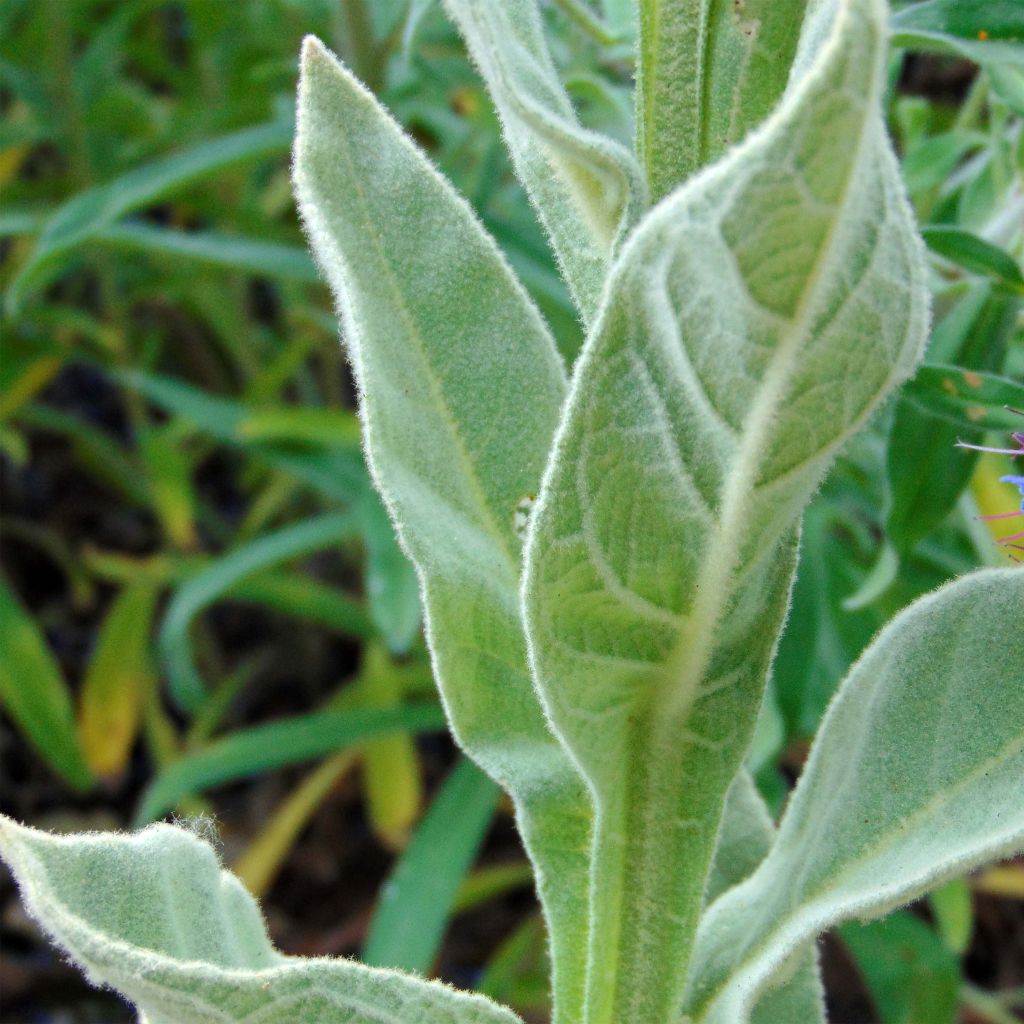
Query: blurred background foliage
203,610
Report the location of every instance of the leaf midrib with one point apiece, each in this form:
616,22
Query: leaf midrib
713,586
488,518
716,581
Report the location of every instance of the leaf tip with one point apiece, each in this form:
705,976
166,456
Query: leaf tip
312,49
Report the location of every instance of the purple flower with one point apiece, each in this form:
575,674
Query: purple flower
1018,481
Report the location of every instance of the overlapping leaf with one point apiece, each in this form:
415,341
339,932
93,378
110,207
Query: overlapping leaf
754,321
709,71
743,842
587,189
914,778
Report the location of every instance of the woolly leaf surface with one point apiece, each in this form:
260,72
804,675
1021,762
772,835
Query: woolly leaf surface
755,319
743,842
708,72
461,388
587,189
154,916
914,778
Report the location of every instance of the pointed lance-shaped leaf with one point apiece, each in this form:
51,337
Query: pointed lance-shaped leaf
914,778
461,388
755,319
588,190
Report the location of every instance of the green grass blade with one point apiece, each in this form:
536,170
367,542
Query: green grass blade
250,255
392,777
212,582
337,472
416,901
91,211
392,590
303,597
118,681
249,752
35,695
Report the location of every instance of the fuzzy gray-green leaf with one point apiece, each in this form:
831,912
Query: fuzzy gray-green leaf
755,319
587,189
743,842
709,71
155,917
461,391
914,778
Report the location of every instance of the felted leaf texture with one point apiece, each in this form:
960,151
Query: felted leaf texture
154,916
588,190
754,320
461,388
914,778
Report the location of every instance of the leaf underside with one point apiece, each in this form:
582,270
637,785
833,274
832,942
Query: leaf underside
755,319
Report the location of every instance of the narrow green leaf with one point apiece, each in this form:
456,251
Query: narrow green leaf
925,471
118,681
34,694
488,883
975,254
392,590
461,389
953,908
708,71
253,256
169,473
89,212
911,976
248,752
23,221
416,902
335,472
587,189
99,452
298,425
985,31
392,780
216,579
305,598
157,918
913,779
755,320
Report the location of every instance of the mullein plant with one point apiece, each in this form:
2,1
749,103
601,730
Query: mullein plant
752,288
